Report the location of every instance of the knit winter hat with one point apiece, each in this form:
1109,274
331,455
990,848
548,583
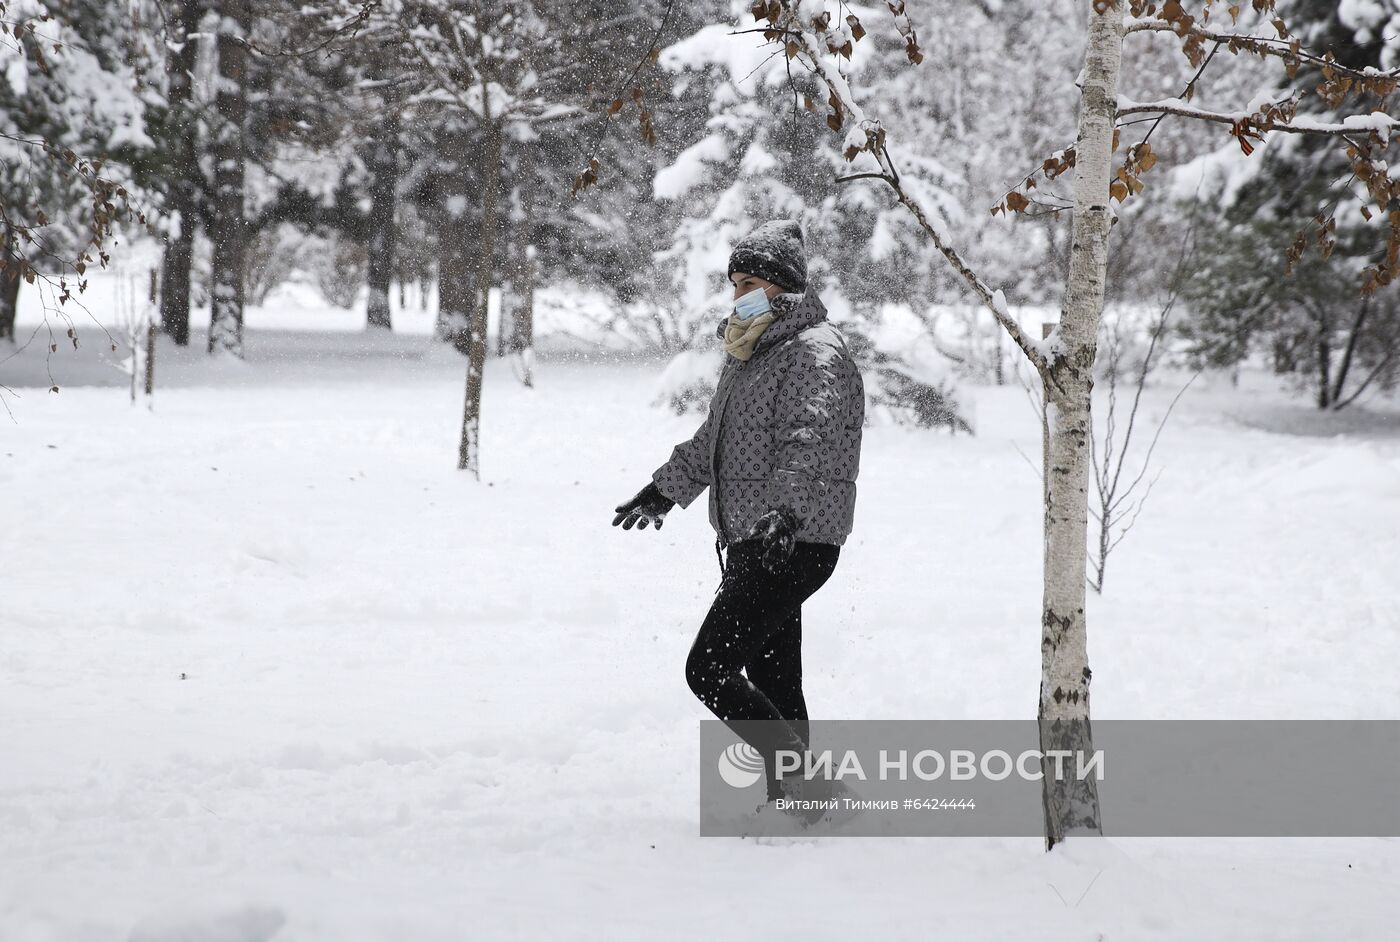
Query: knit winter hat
773,252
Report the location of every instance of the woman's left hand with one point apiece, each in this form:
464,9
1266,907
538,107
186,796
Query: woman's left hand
778,531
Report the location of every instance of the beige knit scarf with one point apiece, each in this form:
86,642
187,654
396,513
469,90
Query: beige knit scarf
740,337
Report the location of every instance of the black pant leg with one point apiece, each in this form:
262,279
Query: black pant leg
752,606
777,671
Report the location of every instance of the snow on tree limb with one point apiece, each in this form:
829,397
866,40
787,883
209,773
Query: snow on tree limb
1377,121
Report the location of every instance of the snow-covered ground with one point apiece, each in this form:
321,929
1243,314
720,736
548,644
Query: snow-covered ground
272,668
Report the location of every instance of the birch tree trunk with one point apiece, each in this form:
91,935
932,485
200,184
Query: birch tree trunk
229,228
469,449
1072,805
185,183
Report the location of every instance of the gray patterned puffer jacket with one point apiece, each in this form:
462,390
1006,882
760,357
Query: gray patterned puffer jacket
783,430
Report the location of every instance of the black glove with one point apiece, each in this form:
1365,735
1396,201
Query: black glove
648,506
778,530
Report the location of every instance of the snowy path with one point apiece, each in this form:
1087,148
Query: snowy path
419,707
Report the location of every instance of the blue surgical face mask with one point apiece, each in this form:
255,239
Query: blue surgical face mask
749,306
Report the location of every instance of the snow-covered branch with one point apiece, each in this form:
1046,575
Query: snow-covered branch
1352,124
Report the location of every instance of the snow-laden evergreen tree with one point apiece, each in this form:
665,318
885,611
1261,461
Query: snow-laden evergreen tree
762,153
480,80
765,151
607,64
350,107
965,142
1291,238
69,109
251,161
753,161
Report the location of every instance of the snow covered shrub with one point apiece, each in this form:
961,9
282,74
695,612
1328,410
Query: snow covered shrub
975,344
1135,339
271,258
70,112
340,271
913,401
1312,326
688,381
659,325
907,378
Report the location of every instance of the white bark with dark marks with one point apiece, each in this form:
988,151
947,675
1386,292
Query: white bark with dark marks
1072,805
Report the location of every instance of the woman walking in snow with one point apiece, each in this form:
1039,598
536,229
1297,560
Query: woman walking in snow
779,450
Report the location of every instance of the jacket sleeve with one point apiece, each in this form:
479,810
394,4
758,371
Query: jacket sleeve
819,399
687,472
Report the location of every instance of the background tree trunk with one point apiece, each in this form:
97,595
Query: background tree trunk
524,336
469,450
186,183
455,261
513,275
229,228
1070,804
383,212
9,288
516,237
1350,350
1324,362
